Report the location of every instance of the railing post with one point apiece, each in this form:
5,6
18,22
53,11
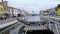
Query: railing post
57,28
26,31
49,25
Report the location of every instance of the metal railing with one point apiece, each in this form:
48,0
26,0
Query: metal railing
55,19
7,21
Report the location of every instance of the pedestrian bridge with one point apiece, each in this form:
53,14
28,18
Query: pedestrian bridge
55,20
50,18
35,28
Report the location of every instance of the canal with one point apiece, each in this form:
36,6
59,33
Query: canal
33,18
15,29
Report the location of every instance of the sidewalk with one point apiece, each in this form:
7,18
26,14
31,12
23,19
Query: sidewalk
7,22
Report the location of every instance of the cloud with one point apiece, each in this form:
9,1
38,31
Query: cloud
35,5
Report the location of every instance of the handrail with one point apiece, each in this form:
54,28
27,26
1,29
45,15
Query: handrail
7,21
52,18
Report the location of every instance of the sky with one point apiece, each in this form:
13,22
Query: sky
33,5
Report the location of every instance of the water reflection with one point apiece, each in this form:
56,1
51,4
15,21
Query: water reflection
6,32
33,18
13,30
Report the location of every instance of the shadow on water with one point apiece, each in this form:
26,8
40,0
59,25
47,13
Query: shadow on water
21,30
40,32
14,29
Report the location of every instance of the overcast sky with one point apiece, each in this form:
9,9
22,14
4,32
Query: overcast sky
36,5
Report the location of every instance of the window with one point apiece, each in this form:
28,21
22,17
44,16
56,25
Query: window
4,9
9,10
1,9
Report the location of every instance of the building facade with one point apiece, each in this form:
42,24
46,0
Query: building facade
1,8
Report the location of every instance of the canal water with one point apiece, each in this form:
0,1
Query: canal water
34,18
16,29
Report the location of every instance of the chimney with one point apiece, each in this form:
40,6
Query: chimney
1,0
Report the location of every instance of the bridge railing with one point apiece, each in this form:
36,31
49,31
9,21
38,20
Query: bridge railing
55,20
